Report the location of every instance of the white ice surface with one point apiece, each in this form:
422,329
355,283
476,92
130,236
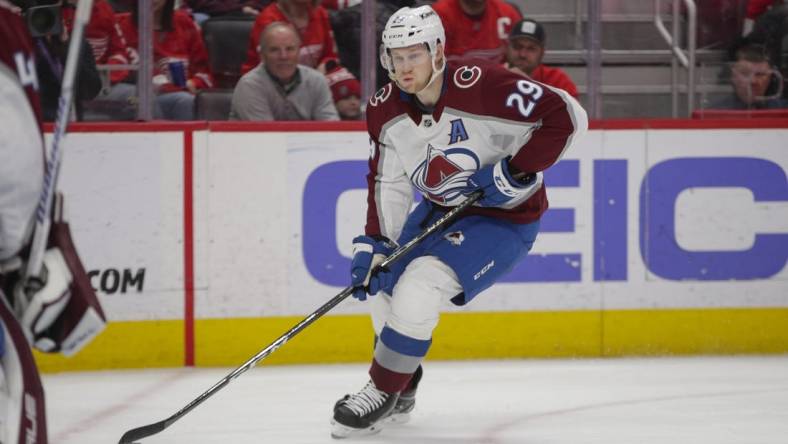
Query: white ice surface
718,400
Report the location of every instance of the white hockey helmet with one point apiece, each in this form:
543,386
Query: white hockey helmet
411,26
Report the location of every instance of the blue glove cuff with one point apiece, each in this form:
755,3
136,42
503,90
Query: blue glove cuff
504,166
371,245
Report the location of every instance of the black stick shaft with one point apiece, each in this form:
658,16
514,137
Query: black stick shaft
152,429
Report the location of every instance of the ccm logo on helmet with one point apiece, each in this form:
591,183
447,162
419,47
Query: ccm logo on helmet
465,76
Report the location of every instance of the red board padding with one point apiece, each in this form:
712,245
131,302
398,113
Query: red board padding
740,114
726,122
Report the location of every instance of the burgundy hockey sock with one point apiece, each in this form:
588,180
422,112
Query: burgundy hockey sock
387,380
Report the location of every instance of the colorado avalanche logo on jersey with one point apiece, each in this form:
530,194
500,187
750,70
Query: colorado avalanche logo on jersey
380,96
455,238
444,174
467,76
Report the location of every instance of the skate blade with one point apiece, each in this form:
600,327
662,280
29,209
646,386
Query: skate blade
398,418
340,431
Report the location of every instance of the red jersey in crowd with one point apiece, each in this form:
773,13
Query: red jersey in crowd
317,39
181,44
554,77
16,53
481,37
336,5
757,7
105,37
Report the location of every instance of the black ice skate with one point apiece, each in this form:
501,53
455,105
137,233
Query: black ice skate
362,413
406,402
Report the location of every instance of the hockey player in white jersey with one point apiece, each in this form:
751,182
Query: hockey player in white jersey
46,311
447,129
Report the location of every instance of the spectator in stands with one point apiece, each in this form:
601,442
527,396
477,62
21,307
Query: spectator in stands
346,91
336,5
771,31
279,88
180,59
346,22
756,85
525,51
116,100
51,50
310,21
202,10
103,33
756,8
476,28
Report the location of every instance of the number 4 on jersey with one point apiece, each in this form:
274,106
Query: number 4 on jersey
26,70
526,96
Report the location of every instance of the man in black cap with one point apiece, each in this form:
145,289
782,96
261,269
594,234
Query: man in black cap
524,53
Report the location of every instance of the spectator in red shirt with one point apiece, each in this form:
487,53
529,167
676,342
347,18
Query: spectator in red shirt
179,57
104,35
116,100
311,22
336,5
525,52
476,28
202,10
755,8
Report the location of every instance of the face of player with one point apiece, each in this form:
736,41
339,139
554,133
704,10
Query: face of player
525,54
279,52
750,79
412,67
349,108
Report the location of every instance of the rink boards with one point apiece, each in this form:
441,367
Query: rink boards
208,241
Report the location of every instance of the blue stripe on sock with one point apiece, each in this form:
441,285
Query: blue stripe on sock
404,344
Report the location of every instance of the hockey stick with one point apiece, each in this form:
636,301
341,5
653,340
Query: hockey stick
152,429
43,219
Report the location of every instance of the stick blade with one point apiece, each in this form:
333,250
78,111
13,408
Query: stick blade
142,432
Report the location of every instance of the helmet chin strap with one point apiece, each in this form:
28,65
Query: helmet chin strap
435,74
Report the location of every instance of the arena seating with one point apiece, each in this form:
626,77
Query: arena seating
225,39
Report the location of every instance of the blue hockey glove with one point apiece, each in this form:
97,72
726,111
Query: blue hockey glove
367,254
500,188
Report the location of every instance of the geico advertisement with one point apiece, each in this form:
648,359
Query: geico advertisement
637,219
124,199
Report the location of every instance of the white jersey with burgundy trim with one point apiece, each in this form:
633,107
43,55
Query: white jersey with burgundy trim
21,144
484,114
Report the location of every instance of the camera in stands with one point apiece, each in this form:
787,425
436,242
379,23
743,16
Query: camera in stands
44,20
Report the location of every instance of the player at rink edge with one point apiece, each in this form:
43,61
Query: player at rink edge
447,129
57,311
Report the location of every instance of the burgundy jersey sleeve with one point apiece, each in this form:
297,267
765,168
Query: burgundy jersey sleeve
372,227
390,194
555,77
556,117
16,53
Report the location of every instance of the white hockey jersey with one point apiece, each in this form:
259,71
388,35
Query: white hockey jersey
21,145
485,113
